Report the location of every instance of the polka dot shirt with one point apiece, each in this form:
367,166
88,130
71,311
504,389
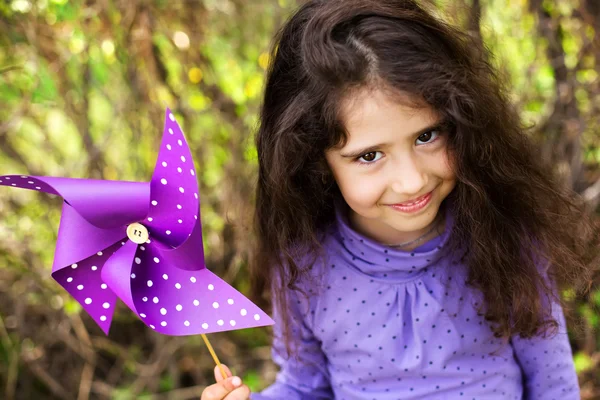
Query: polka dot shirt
387,324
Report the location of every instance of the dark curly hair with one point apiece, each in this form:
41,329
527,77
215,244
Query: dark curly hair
511,213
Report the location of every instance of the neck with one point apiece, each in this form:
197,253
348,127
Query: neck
388,236
435,228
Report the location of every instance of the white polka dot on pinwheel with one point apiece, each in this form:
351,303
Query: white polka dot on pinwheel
186,323
243,312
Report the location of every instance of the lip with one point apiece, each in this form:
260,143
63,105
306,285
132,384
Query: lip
413,205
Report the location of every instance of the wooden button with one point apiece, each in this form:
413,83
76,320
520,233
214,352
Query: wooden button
137,233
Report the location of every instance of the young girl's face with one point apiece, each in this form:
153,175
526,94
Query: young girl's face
394,154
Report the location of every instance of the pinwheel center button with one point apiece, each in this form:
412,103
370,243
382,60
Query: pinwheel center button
137,233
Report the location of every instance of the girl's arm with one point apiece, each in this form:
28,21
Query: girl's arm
547,363
304,374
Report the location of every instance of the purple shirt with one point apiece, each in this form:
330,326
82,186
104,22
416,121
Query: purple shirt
387,324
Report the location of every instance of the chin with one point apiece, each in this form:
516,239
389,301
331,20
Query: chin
413,223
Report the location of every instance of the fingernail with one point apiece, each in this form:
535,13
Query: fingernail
236,381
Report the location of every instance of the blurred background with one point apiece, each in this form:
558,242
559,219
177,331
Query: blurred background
83,89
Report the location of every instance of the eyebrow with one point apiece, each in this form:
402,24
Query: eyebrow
441,124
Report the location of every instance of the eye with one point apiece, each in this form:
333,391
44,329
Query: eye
428,137
370,157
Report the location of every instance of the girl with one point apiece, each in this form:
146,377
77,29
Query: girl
413,244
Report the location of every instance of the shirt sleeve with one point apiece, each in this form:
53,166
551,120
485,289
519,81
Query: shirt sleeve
547,363
304,374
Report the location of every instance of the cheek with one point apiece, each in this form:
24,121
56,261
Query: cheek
441,165
359,191
447,166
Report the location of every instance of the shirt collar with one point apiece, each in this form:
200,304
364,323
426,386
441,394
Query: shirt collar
383,262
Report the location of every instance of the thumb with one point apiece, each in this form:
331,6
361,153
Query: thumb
218,375
220,390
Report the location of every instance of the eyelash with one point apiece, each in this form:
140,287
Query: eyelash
367,163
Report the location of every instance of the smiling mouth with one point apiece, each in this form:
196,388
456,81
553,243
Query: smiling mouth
414,201
414,205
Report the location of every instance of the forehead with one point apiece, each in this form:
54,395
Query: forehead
368,112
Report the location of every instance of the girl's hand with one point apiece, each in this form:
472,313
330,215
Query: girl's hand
226,388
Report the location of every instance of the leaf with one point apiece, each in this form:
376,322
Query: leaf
582,362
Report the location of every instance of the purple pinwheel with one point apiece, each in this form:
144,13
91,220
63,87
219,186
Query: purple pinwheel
142,242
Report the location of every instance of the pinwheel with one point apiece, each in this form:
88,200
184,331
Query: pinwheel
141,242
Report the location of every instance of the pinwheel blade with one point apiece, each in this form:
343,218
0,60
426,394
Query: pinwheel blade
105,204
83,281
78,239
117,272
174,188
178,302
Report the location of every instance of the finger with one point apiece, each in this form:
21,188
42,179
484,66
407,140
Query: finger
218,391
241,393
218,376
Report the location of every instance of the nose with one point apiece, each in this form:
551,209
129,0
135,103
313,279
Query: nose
408,177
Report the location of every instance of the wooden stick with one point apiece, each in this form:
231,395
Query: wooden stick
214,356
